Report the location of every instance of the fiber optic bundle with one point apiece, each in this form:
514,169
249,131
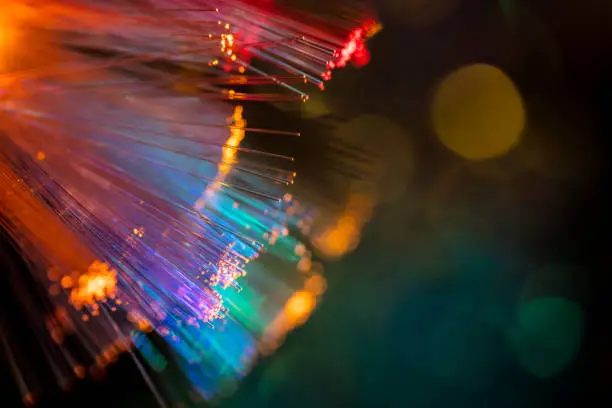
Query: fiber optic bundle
126,186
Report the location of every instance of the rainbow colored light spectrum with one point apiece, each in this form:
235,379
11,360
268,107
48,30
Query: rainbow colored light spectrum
126,185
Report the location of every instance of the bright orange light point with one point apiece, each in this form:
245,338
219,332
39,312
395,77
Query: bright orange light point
66,282
98,284
144,326
237,131
299,306
338,240
80,371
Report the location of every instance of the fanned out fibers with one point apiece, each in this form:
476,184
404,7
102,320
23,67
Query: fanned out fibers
124,183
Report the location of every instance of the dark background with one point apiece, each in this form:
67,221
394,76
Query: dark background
422,313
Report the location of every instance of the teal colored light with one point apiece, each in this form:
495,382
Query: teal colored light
547,335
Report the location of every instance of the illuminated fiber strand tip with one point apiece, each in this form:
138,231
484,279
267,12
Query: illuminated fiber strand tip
131,196
306,51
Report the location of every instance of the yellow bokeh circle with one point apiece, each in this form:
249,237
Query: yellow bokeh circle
478,112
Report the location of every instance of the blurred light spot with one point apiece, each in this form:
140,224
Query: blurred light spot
110,354
300,249
54,274
66,282
339,239
296,312
316,285
41,156
342,237
80,371
478,113
299,307
547,335
304,264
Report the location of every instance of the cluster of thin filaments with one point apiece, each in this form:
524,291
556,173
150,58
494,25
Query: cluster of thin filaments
125,182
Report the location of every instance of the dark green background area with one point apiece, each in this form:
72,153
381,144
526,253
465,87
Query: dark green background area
500,299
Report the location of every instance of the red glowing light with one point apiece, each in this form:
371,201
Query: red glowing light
354,51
